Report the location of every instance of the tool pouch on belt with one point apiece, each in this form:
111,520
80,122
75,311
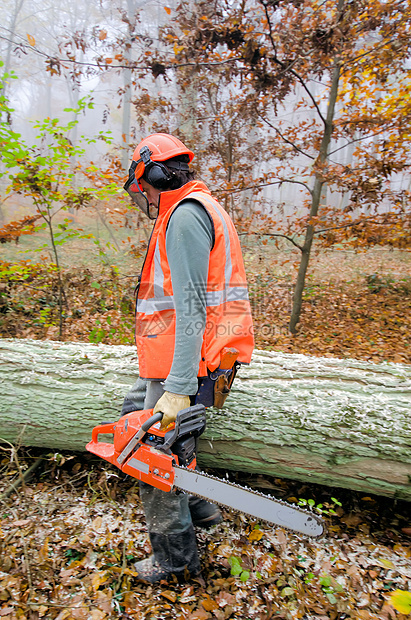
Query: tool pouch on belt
214,389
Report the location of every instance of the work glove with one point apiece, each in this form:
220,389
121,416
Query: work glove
170,404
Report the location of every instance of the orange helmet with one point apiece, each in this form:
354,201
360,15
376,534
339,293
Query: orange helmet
163,146
147,158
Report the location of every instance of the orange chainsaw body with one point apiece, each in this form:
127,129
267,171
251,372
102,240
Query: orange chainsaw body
142,450
144,462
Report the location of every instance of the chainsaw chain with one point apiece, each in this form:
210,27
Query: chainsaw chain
317,518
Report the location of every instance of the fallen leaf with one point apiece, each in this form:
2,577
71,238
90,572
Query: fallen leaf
44,551
63,614
267,564
351,520
98,578
21,523
81,613
225,550
169,595
287,591
401,601
199,614
209,604
97,614
385,563
42,610
387,612
104,600
97,523
255,535
363,599
225,598
282,539
355,575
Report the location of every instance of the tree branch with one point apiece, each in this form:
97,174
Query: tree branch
359,140
245,189
284,138
102,65
289,68
265,234
363,221
374,49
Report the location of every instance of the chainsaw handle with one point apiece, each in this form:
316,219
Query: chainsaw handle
107,428
148,423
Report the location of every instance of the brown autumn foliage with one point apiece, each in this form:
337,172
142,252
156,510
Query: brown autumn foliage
14,230
317,80
385,229
364,319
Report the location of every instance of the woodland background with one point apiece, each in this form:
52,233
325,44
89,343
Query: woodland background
298,112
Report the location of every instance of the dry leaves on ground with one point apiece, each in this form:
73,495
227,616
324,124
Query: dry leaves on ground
70,536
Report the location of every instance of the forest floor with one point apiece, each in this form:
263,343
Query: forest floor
70,535
69,538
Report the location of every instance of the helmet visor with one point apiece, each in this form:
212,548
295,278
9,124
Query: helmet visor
135,190
137,194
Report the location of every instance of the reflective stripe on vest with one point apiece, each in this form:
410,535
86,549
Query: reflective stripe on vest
213,298
158,275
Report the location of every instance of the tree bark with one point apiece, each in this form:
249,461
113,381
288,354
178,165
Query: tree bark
316,192
341,423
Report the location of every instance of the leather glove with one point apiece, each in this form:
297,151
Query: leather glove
170,404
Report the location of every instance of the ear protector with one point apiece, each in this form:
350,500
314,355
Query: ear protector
156,173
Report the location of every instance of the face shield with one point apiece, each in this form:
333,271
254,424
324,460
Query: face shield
135,190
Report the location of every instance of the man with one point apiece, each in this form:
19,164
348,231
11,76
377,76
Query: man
192,302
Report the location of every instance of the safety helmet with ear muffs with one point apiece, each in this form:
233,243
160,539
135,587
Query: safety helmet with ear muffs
147,163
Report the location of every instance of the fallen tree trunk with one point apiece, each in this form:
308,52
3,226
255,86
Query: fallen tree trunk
342,423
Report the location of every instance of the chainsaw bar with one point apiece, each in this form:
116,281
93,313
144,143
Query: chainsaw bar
250,502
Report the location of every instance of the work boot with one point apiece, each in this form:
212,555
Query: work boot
173,555
150,571
204,514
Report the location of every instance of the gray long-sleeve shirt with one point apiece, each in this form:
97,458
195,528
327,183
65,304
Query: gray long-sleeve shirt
189,240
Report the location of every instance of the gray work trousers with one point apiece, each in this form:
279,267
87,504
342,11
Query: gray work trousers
167,515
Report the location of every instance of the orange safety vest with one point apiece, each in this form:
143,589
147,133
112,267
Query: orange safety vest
229,321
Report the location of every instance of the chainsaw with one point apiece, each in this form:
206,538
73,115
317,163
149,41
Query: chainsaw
166,459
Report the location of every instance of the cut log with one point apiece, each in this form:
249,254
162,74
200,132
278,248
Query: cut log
342,423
